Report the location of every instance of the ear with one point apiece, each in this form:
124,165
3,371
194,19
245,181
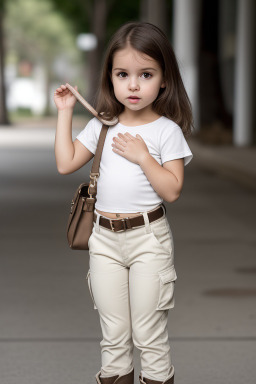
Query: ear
163,85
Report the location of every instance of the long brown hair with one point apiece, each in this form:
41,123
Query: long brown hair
172,101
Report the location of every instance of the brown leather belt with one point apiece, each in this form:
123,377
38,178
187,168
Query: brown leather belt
119,225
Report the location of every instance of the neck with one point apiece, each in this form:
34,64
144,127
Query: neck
128,117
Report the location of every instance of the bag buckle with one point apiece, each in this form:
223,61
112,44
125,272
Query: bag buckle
94,178
93,183
113,227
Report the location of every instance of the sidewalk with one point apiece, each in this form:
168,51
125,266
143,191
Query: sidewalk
49,331
237,164
36,132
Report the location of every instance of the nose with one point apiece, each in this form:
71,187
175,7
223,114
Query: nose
134,84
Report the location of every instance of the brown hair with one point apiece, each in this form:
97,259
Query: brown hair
172,101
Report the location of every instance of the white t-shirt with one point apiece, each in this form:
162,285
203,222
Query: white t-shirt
122,185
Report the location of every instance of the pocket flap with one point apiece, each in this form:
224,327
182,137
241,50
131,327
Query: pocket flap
168,275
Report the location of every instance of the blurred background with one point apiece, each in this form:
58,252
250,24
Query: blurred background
49,332
48,42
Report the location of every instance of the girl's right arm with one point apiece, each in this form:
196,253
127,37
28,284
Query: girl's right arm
70,156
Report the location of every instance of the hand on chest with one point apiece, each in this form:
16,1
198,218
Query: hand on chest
133,145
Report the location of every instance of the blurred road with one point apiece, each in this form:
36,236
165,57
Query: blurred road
49,331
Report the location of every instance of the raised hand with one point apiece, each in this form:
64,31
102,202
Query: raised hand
63,98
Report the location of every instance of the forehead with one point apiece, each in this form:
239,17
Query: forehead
131,58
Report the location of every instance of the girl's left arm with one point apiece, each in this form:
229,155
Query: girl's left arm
167,180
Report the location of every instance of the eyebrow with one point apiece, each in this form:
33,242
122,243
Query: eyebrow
142,69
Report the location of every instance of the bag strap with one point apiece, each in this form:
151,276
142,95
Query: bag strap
98,153
94,174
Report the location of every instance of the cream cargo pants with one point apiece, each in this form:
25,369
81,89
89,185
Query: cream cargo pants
131,280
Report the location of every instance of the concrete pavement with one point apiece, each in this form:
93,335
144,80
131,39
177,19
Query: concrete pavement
234,163
49,331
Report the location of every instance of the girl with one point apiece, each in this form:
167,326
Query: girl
131,272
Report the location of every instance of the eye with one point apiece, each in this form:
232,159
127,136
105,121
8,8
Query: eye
122,74
146,75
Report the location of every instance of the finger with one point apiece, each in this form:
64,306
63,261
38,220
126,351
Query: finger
122,137
139,137
118,151
128,136
120,141
63,87
118,146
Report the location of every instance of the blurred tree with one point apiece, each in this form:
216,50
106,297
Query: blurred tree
101,17
3,110
35,32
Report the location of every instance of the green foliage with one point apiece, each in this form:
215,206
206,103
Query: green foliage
80,13
120,13
2,5
35,31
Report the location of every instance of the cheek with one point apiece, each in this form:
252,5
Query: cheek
153,90
117,88
118,91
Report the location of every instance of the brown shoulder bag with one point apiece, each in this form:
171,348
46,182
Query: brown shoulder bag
80,221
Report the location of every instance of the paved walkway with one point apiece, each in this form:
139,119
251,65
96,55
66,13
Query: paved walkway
49,331
230,162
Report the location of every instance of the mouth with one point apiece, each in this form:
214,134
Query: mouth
133,99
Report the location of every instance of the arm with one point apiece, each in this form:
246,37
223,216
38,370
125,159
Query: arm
167,180
69,155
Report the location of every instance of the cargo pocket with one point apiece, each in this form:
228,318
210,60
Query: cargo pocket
166,298
88,277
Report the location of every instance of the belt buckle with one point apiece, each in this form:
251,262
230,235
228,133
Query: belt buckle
113,228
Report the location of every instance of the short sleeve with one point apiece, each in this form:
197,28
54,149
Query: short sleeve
90,134
173,145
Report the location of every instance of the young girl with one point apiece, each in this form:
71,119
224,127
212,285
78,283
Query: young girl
131,272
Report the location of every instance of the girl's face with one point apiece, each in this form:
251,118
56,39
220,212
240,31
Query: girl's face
136,78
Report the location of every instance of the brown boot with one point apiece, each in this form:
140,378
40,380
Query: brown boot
150,381
125,379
